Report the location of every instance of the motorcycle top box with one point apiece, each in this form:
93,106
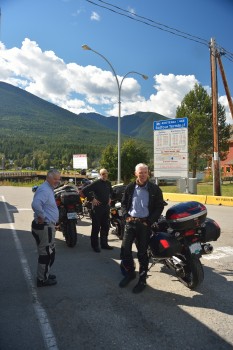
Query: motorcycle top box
118,191
186,215
164,245
68,198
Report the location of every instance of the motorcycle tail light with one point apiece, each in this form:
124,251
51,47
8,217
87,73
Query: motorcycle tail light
164,243
189,233
70,206
58,201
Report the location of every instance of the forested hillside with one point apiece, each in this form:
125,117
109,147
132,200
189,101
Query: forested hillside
34,132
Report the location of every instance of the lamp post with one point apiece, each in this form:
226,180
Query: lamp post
119,86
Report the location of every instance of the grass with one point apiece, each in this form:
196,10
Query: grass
203,189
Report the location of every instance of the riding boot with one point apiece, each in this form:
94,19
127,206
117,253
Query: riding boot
104,240
95,244
141,285
128,270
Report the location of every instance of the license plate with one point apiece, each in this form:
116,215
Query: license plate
120,212
195,248
72,215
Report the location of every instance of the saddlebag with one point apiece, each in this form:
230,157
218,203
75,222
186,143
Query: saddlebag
186,215
164,245
210,231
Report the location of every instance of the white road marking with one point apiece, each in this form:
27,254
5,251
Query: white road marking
46,330
19,209
219,253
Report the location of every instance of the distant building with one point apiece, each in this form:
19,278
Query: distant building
227,164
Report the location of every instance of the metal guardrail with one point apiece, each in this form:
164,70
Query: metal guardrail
4,174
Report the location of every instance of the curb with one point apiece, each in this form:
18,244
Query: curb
215,200
227,201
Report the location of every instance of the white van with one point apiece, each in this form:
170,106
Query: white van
94,173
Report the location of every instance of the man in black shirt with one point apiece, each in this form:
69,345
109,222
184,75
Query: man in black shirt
100,192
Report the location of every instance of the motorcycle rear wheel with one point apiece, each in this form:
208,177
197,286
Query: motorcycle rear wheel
192,274
119,231
70,233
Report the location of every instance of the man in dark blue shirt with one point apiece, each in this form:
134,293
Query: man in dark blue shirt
100,192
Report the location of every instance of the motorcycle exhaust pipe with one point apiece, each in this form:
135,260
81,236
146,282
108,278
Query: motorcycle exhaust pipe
207,248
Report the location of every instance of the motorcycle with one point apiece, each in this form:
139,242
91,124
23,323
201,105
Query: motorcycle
70,208
179,240
117,222
116,219
86,204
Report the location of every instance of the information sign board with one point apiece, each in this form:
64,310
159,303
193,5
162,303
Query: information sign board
171,148
79,161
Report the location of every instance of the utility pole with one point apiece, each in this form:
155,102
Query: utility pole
216,168
224,79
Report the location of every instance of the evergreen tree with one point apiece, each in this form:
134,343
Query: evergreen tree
197,107
132,153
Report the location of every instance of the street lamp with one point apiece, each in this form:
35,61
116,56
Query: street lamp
119,86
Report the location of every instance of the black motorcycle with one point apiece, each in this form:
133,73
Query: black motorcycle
117,222
179,240
70,207
116,219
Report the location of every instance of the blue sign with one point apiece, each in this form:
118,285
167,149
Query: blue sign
177,123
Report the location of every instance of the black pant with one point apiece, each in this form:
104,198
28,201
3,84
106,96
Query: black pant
100,223
140,234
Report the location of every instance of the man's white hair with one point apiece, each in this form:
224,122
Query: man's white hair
52,173
141,165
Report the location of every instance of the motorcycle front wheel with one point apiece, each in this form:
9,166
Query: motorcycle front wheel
70,233
192,273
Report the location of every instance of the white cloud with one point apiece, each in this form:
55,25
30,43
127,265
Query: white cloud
90,89
95,16
224,101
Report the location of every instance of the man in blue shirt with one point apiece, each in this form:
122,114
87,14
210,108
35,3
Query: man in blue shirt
142,205
46,216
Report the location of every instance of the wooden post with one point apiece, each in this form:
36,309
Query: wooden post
216,168
224,79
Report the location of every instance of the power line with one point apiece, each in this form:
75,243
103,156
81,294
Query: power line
150,22
159,26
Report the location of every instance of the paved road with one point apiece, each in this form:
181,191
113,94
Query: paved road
87,310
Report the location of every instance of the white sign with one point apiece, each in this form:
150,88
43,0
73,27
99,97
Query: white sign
171,148
79,161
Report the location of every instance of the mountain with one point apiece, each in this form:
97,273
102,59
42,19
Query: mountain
138,125
29,124
24,113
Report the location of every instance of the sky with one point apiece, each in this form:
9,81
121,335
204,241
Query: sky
166,40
